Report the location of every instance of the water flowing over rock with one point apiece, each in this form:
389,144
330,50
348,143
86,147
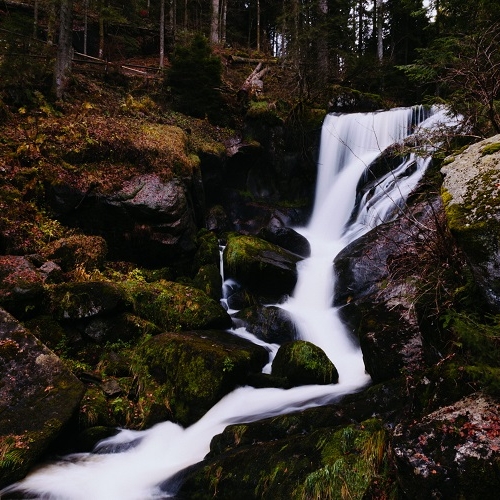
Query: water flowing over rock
471,190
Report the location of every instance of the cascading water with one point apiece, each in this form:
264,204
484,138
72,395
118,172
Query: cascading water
142,461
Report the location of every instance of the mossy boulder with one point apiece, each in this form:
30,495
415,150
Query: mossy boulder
471,195
304,363
278,233
175,307
21,286
87,299
260,266
333,462
38,398
77,251
453,452
190,371
209,280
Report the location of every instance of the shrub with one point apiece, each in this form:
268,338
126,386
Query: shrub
194,79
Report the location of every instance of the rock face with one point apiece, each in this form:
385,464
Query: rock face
38,397
471,190
453,452
374,291
146,220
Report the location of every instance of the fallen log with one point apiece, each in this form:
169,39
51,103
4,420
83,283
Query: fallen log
254,85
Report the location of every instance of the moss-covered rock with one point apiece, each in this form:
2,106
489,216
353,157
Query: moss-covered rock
38,397
471,196
304,363
87,299
209,280
330,463
262,267
21,286
77,251
190,371
175,307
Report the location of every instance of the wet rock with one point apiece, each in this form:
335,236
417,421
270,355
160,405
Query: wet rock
303,363
278,233
190,371
260,266
269,323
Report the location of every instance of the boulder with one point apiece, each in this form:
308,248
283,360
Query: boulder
453,452
85,252
260,266
21,286
87,299
38,397
278,233
174,307
470,192
189,372
268,323
146,220
303,363
377,297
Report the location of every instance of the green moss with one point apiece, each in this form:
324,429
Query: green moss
264,111
353,458
490,148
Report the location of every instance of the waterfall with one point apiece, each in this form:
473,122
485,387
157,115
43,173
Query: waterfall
143,460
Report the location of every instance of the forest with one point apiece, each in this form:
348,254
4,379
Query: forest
399,51
159,172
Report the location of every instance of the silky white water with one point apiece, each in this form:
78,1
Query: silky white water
349,144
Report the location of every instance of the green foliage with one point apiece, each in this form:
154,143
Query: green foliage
195,78
353,457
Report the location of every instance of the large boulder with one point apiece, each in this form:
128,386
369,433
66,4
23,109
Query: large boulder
174,307
471,195
262,267
146,219
38,397
377,297
190,371
453,452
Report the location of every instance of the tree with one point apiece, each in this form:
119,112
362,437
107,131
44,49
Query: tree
195,78
64,48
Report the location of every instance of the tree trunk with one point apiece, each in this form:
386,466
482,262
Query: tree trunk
162,34
258,25
380,29
214,25
253,85
64,48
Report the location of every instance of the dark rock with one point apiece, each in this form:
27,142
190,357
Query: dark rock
38,398
303,363
377,296
88,299
453,452
260,266
269,323
147,220
276,232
